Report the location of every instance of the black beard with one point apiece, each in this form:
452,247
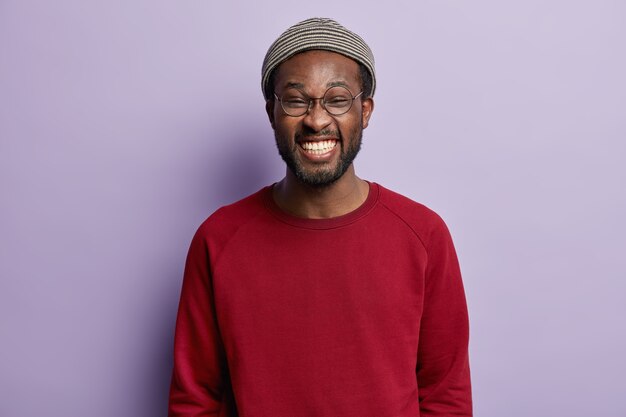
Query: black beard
325,177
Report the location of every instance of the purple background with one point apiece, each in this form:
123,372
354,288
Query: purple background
123,124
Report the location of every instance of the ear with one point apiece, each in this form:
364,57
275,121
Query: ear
269,109
367,107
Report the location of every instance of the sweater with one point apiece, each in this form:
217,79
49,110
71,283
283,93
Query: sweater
361,315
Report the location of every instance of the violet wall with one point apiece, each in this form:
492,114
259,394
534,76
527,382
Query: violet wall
123,124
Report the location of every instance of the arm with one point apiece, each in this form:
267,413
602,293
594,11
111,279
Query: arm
443,375
200,375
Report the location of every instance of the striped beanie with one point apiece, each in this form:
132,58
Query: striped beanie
316,33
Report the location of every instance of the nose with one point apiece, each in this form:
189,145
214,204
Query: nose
317,118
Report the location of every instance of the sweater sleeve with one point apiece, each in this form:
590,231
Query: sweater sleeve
443,375
200,375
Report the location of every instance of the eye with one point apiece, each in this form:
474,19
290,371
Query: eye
294,99
295,102
338,101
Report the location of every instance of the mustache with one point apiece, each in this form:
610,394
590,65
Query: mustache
321,133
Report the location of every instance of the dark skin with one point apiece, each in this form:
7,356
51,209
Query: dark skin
314,72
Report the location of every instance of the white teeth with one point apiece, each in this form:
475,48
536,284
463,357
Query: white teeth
319,148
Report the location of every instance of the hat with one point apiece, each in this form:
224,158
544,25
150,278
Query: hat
316,33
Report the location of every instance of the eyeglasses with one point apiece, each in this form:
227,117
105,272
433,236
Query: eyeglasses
336,100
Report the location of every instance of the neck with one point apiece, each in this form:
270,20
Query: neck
339,198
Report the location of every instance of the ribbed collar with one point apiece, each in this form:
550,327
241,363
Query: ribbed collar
330,223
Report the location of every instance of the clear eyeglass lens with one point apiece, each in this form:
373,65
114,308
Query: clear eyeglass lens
294,102
336,101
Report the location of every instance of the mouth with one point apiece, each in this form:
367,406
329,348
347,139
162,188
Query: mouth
318,147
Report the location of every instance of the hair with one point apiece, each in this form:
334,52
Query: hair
366,82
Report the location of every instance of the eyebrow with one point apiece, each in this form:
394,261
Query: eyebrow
339,83
294,85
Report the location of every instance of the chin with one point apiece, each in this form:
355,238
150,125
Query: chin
324,177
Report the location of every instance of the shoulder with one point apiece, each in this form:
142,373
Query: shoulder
225,221
422,220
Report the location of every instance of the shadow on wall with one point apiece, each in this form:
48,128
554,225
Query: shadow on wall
158,371
249,162
226,168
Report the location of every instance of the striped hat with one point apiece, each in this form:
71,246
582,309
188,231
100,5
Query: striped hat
316,33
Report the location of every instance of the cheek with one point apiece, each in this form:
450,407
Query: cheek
285,127
352,127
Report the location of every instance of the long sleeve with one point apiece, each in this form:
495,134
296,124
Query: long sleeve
443,374
200,383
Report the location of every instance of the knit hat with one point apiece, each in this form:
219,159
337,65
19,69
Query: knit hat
316,33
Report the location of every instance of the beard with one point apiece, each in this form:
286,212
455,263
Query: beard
325,174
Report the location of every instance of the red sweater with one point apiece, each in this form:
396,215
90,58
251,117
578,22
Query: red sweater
361,315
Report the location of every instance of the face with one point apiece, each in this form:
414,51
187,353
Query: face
318,147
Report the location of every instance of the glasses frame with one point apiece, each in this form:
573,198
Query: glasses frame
322,103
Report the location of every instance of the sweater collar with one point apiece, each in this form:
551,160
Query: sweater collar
330,223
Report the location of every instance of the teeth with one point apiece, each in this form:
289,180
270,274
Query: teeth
319,148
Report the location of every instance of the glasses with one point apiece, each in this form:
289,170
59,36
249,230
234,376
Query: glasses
336,101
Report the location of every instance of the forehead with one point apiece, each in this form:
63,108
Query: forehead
318,70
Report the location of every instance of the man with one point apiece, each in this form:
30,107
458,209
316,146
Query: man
323,295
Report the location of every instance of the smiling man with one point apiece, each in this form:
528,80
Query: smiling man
322,295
